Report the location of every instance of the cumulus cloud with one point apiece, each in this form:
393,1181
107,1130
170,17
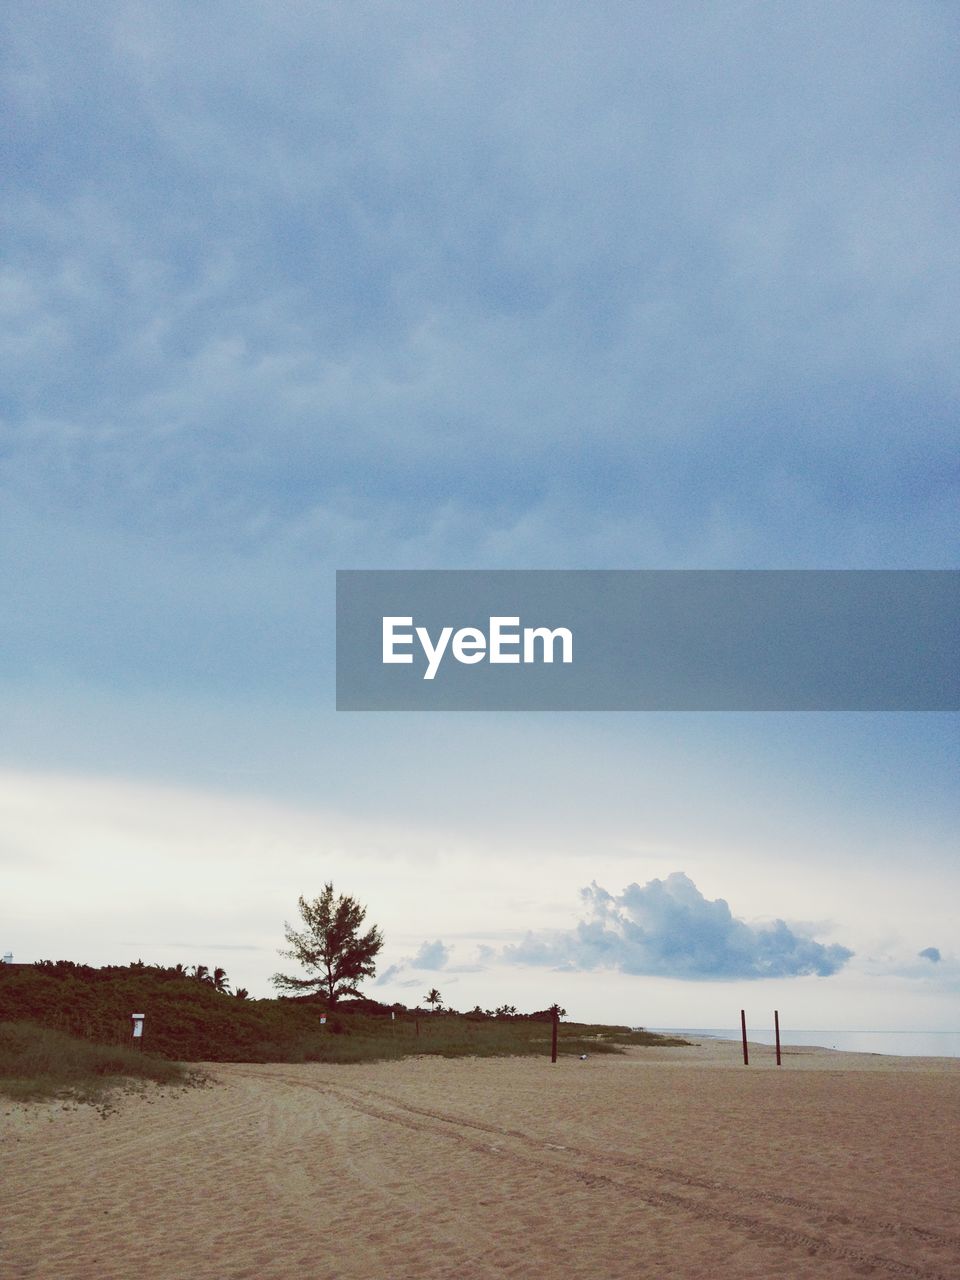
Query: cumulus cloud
669,929
930,953
430,957
389,975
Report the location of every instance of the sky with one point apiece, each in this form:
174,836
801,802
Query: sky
360,285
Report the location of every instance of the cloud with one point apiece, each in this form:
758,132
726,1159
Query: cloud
432,955
392,975
263,347
445,249
931,968
669,929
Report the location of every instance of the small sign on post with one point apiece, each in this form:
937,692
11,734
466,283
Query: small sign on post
138,1028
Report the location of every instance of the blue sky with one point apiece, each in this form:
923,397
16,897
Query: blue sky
544,286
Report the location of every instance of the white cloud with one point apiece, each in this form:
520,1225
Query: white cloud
669,929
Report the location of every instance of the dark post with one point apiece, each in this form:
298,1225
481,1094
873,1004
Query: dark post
776,1028
416,1022
743,1033
553,1038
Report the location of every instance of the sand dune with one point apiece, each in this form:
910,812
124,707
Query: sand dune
663,1163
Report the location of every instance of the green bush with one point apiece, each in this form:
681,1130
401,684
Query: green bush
191,1021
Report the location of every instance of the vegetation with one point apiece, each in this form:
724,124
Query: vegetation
37,1062
190,1020
366,1038
331,947
66,1028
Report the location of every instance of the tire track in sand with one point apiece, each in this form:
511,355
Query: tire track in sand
706,1203
826,1217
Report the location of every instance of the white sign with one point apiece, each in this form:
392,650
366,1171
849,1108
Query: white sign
137,1024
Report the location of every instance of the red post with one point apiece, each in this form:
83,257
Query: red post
743,1033
776,1028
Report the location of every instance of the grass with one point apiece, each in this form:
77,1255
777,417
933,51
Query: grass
38,1063
41,1062
356,1038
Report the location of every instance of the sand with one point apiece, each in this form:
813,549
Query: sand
662,1163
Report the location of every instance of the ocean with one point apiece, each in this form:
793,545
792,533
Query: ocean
909,1044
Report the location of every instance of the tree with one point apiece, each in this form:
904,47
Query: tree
331,947
434,998
219,979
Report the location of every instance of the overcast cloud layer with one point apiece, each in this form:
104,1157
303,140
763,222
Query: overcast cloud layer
640,285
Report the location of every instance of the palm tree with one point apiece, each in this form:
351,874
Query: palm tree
219,979
241,993
201,973
434,999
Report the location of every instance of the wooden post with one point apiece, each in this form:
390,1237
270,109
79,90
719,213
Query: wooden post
743,1034
416,1022
553,1038
776,1028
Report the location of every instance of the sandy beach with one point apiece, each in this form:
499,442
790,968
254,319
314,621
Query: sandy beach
660,1163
